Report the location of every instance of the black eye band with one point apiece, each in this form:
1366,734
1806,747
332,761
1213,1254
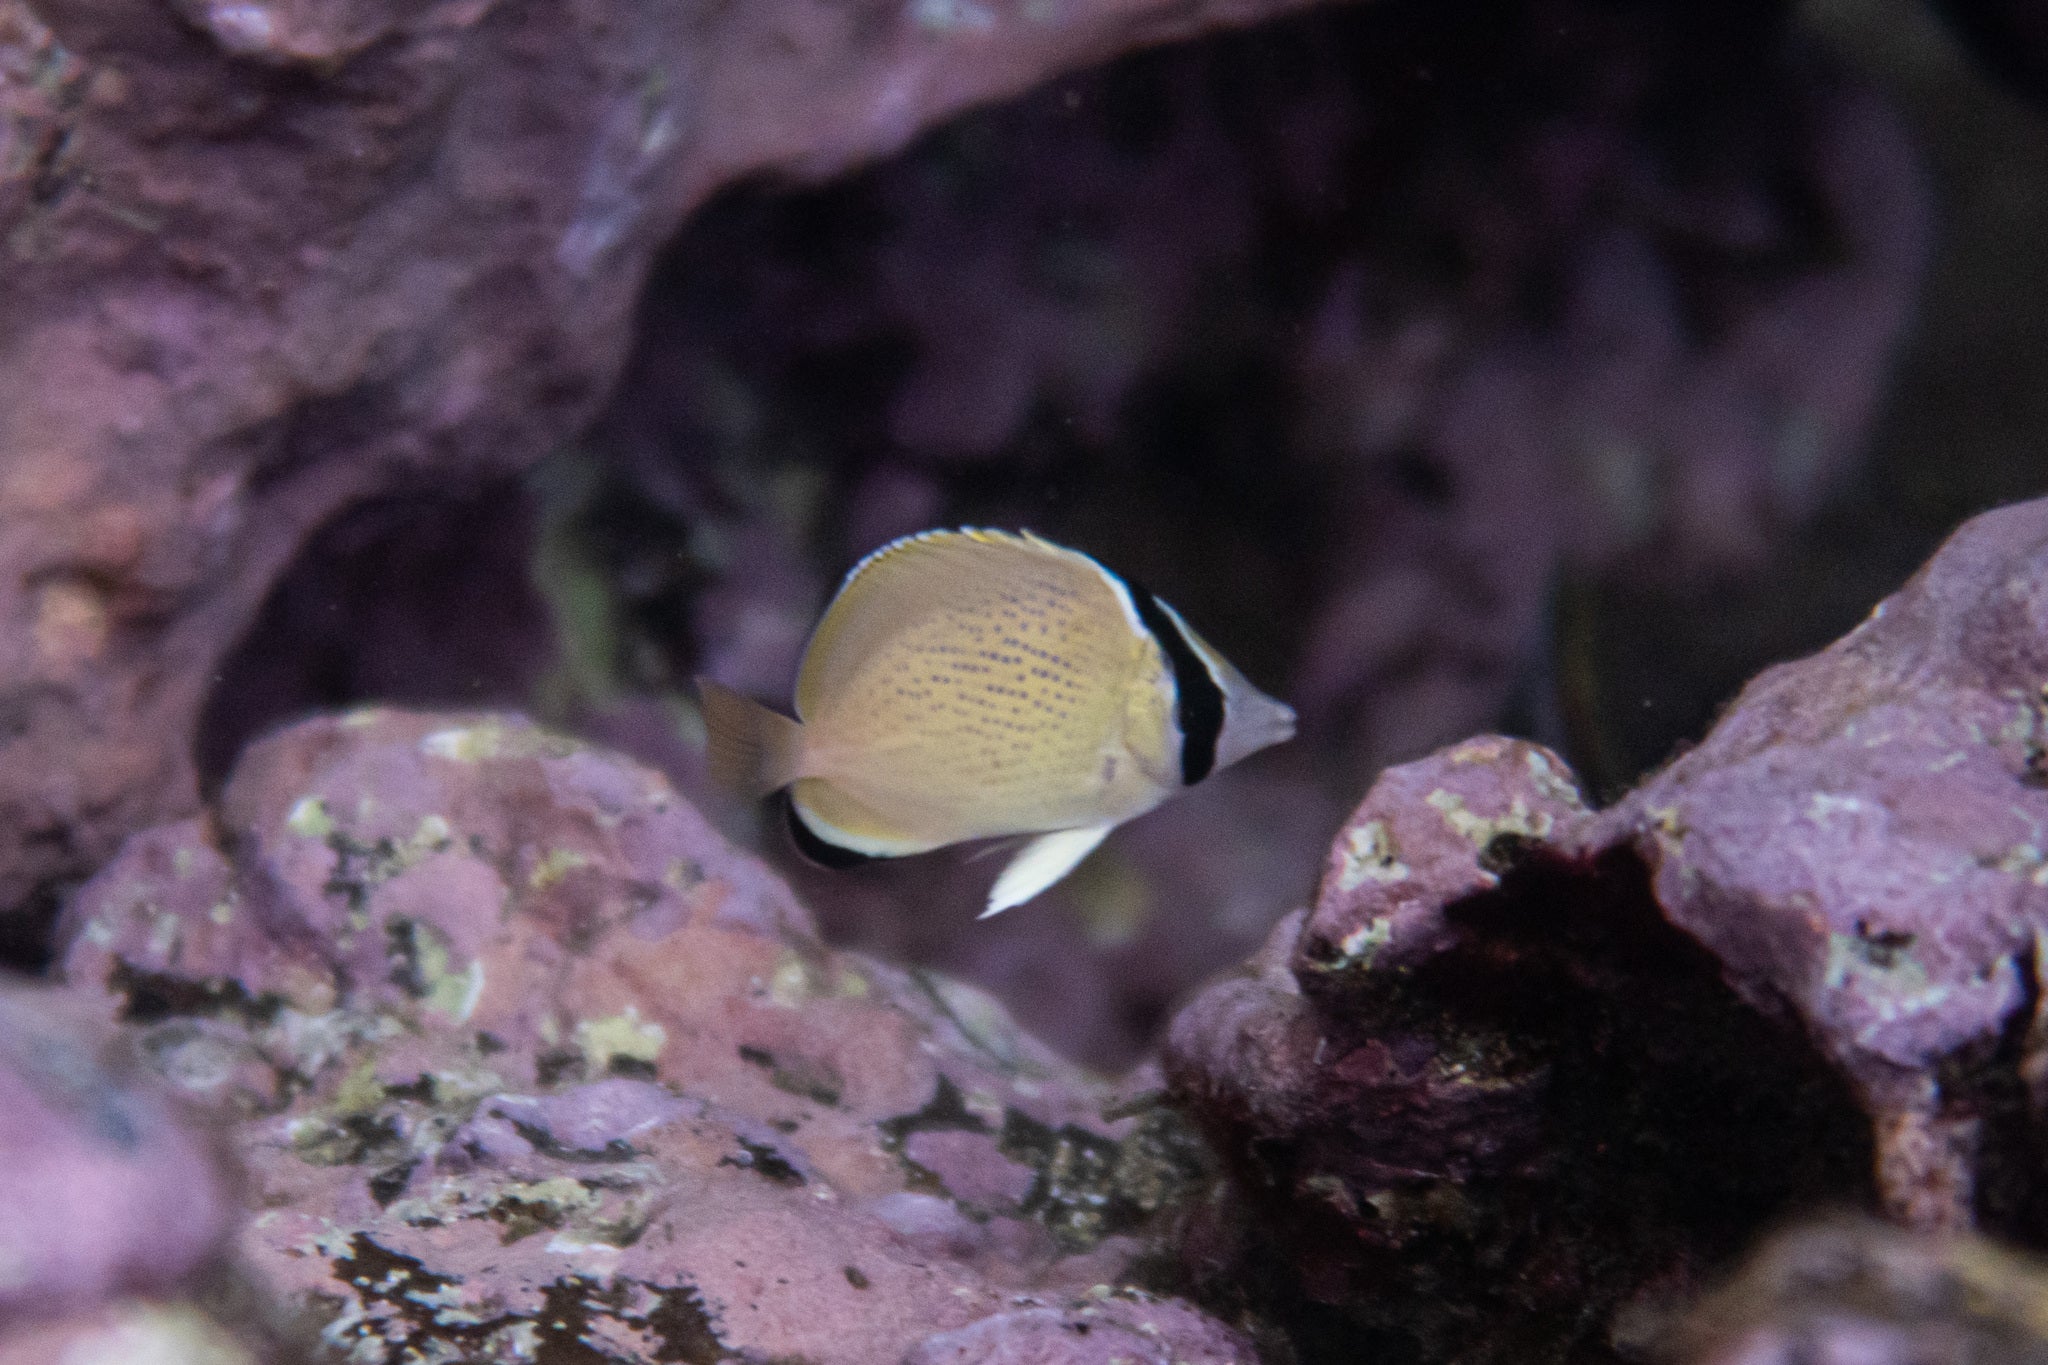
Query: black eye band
1198,701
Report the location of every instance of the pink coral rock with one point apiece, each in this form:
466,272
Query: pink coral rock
1127,1329
103,1187
269,260
521,1057
1852,1290
1559,1058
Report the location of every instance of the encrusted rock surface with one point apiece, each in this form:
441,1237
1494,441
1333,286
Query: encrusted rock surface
267,259
103,1189
1525,1065
114,1211
1847,1290
523,1061
1131,1330
1863,844
130,1330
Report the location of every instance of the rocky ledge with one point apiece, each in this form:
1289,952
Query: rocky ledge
522,1061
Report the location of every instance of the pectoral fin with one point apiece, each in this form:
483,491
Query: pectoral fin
1042,862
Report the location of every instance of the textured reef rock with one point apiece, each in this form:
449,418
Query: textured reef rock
1860,843
523,1061
107,1200
104,1190
266,260
1854,1291
1524,1066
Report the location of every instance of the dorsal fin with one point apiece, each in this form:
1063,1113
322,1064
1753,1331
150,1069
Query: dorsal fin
911,580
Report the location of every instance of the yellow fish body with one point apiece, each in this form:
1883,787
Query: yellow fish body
972,684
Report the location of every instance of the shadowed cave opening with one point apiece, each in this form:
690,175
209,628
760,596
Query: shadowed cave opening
411,601
1610,1127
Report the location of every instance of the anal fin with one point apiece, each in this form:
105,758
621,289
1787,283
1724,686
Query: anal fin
842,828
815,846
1042,862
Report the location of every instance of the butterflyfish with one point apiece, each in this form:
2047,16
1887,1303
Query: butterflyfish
975,684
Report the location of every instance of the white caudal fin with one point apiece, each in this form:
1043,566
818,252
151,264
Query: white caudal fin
1042,862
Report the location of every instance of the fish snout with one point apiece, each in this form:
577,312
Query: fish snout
1253,721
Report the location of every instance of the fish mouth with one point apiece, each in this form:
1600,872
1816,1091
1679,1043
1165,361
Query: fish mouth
1279,729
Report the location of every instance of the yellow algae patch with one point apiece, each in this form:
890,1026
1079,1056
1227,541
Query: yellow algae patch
558,1192
443,988
360,1091
309,818
1361,945
558,864
624,1034
1480,830
796,981
1370,856
1478,751
1552,783
455,994
793,981
489,739
466,744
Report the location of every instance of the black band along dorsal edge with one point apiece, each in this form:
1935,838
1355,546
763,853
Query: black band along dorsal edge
816,846
1198,700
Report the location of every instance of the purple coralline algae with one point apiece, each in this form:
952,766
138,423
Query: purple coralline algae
103,1189
1525,1067
113,1206
269,261
1129,1329
522,1061
1848,1290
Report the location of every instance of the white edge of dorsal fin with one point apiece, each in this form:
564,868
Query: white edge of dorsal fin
1123,591
1041,863
904,542
1025,536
